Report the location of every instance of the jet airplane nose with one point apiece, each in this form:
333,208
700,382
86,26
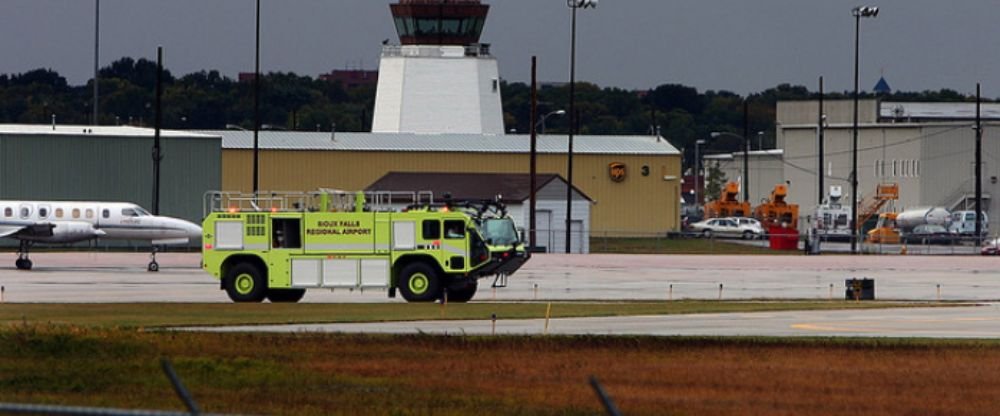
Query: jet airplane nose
193,231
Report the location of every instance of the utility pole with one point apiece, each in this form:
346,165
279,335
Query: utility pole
979,168
157,157
534,154
819,137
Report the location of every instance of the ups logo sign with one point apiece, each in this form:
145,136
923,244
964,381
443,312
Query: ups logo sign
617,171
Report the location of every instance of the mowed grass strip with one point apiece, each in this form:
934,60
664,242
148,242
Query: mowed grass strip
185,314
313,374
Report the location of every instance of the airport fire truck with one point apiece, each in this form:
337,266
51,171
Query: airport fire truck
277,245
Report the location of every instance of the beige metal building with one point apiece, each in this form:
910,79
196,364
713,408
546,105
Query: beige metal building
633,180
926,148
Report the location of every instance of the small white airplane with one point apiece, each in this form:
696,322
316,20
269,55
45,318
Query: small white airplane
70,222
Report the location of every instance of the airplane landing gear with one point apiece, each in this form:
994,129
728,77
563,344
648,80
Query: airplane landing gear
23,263
153,265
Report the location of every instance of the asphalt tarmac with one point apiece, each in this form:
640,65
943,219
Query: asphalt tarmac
946,322
103,277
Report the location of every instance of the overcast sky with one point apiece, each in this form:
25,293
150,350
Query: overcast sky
736,45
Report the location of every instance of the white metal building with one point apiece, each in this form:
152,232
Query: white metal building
926,148
550,210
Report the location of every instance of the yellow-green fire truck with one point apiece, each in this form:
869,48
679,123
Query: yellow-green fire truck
275,246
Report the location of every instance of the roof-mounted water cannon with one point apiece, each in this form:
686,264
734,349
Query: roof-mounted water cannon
865,11
582,4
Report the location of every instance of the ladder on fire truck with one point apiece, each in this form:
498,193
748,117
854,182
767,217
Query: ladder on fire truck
324,199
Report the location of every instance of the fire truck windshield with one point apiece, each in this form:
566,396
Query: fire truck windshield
499,231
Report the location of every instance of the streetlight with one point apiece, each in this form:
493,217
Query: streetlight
542,121
858,13
746,161
573,5
256,107
697,174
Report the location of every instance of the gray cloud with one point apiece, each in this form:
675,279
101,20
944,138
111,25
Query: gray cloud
735,45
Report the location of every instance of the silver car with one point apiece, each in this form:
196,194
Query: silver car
721,227
752,229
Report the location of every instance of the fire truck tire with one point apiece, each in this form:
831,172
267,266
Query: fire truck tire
245,283
285,295
419,282
463,295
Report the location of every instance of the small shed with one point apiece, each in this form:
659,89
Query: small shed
514,189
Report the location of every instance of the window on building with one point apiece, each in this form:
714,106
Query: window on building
895,169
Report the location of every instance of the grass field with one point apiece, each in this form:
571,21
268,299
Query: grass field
306,374
181,314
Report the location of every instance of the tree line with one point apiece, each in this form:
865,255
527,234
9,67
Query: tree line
209,100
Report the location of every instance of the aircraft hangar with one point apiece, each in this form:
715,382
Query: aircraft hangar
634,181
108,163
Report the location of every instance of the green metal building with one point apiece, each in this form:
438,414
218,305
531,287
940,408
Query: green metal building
109,163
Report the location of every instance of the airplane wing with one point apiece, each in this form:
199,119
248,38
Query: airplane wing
25,229
8,231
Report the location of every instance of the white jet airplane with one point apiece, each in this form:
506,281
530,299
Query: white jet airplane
70,222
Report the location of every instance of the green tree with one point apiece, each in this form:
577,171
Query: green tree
714,181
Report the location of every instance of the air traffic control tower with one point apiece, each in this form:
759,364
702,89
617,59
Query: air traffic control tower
439,79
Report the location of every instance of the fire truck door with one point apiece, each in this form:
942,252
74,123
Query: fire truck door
286,242
455,246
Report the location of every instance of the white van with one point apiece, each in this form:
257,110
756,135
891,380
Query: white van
964,222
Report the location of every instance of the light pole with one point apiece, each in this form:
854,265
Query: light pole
97,53
697,174
256,107
858,13
573,116
541,121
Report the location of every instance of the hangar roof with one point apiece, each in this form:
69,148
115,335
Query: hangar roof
102,131
471,143
469,185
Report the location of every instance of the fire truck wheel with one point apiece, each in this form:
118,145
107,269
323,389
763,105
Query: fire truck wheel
244,283
463,295
285,295
419,283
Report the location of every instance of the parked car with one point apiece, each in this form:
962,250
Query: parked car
929,234
721,227
964,223
750,224
992,248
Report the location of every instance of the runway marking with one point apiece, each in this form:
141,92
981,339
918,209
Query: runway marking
881,326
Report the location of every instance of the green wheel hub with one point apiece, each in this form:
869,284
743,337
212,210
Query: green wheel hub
418,283
244,283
